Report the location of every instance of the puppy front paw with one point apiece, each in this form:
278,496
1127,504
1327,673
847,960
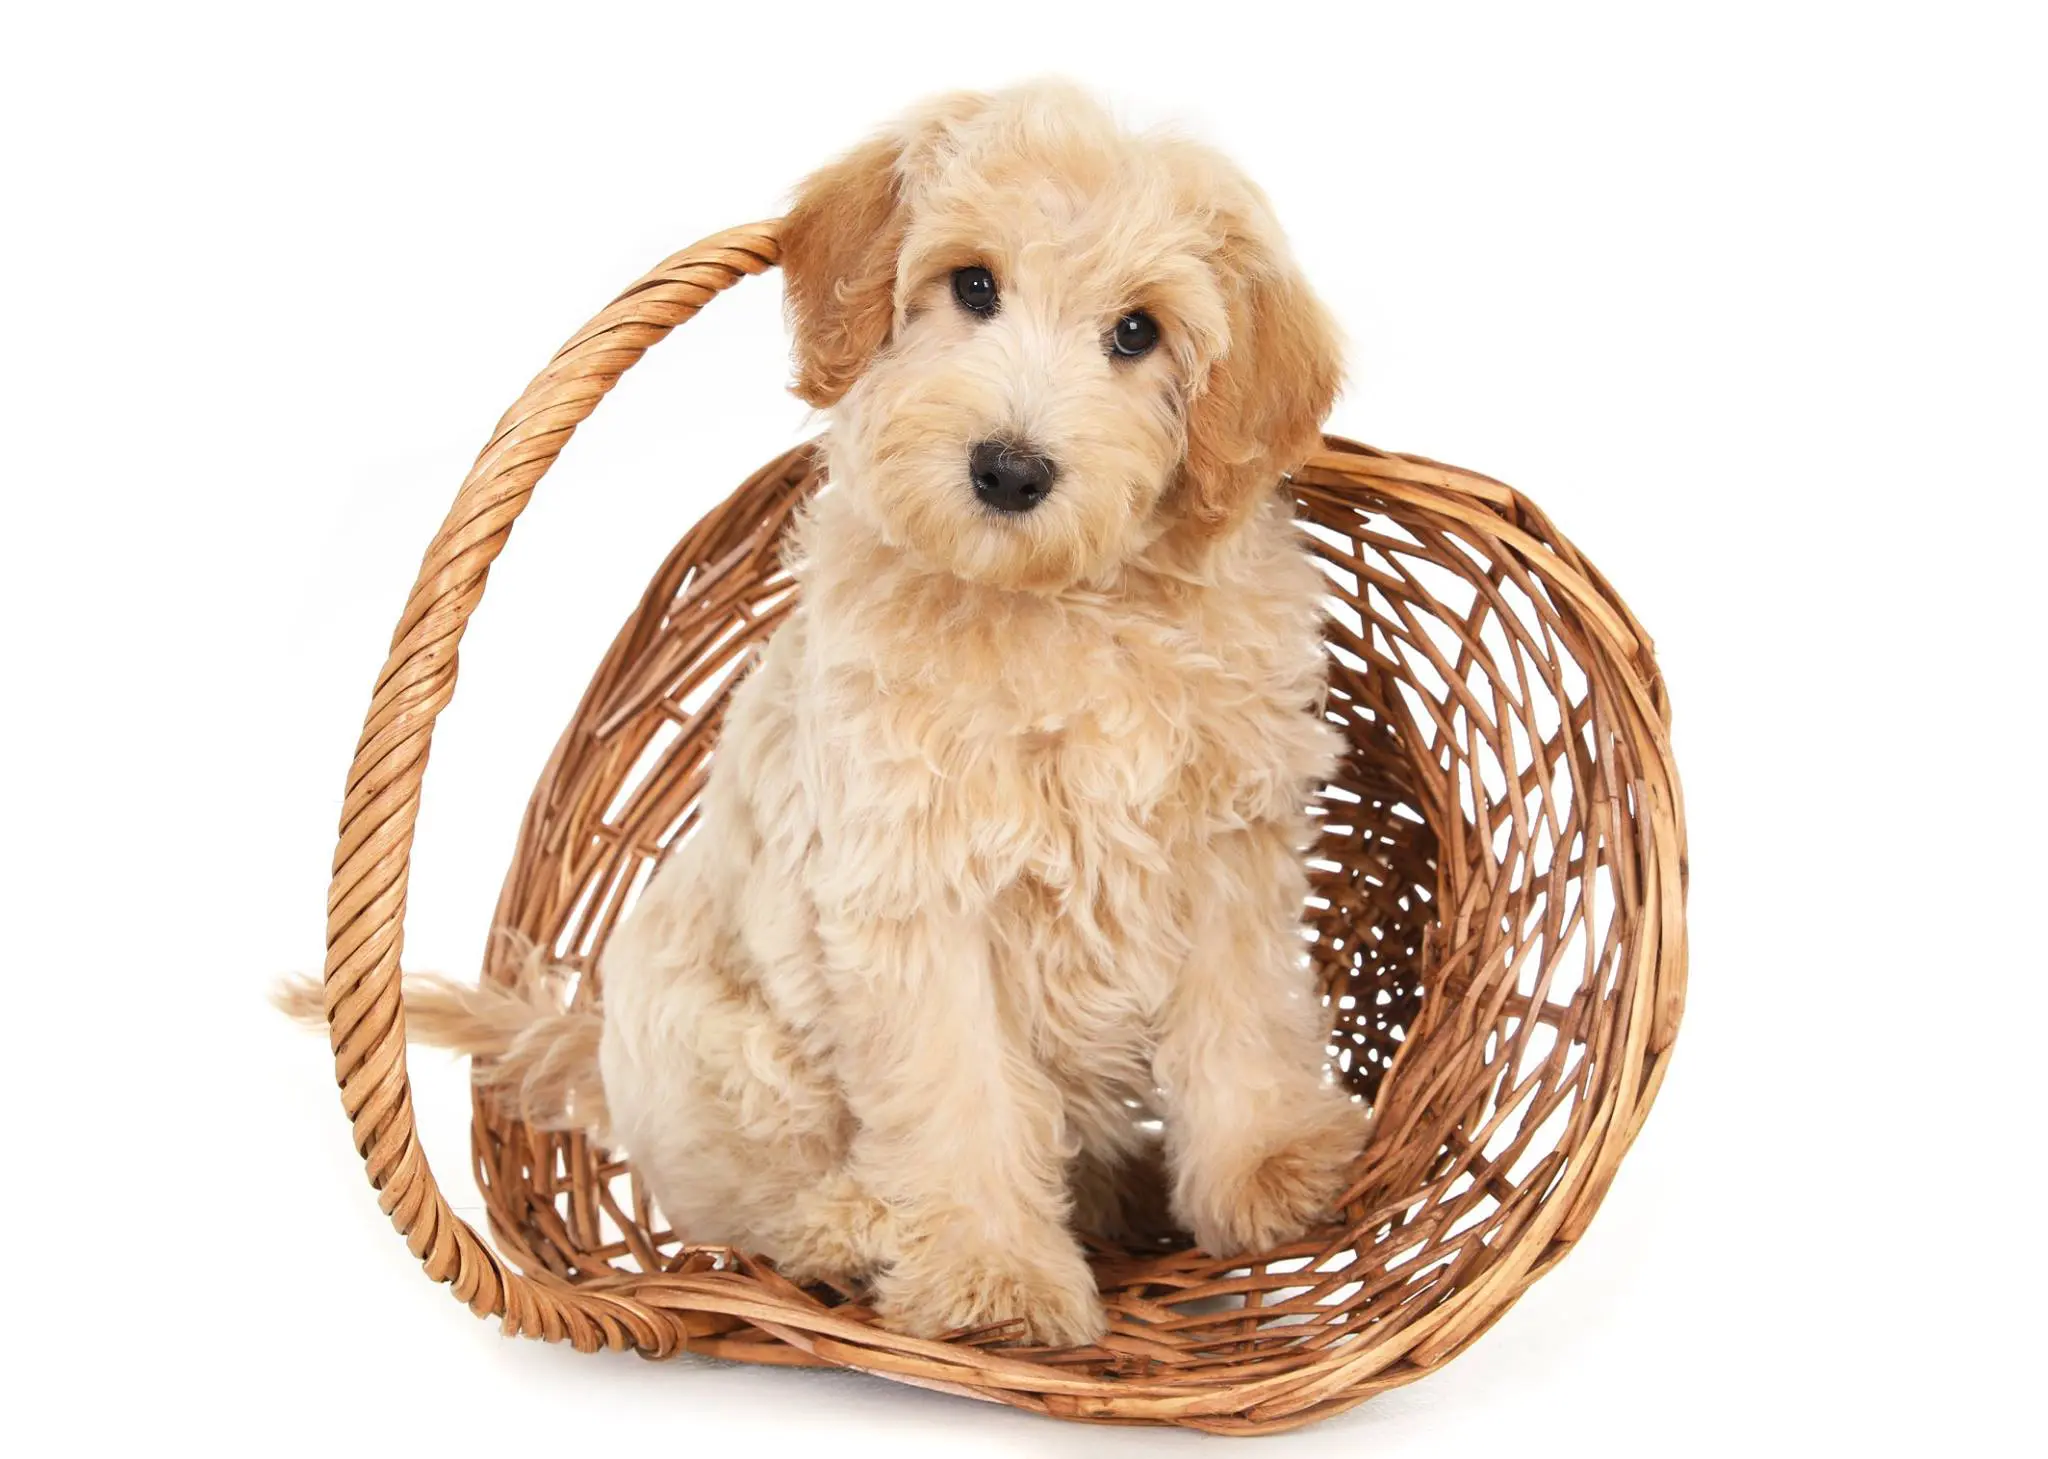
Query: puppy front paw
1265,1196
1049,1295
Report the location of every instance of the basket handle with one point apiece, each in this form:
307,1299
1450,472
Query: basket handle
372,862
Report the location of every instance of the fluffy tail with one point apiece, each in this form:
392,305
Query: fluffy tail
537,1057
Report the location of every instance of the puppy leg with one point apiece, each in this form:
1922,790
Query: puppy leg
959,1133
728,1116
1258,1140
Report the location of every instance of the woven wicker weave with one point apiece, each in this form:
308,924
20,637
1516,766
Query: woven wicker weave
1498,919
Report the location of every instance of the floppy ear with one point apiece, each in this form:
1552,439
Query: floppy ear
839,245
840,240
1260,412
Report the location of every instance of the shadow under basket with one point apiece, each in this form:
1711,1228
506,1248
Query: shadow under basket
1497,918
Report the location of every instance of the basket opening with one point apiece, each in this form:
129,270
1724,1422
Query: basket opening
1462,917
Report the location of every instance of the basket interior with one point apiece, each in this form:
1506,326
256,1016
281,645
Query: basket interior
1475,884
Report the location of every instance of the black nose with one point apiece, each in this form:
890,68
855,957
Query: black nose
1010,477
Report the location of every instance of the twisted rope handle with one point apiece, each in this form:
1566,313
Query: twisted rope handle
372,861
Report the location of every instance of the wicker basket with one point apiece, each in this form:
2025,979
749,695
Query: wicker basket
1498,922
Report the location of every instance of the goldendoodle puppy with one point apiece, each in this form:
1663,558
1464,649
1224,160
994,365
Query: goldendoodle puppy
1001,861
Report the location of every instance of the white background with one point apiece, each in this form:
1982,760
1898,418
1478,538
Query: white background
1749,299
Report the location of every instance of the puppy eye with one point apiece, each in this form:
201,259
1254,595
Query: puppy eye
975,288
1134,335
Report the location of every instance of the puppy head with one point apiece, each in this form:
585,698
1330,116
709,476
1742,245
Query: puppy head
1048,342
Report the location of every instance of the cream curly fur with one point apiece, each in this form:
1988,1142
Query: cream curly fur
1001,861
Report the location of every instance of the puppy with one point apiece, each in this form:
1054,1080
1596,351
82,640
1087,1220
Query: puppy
1001,859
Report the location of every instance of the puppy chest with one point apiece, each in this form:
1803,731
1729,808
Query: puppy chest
1083,763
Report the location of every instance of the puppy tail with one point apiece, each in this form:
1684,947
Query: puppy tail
537,1057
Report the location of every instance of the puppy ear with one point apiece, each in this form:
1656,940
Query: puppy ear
840,240
839,245
1259,414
